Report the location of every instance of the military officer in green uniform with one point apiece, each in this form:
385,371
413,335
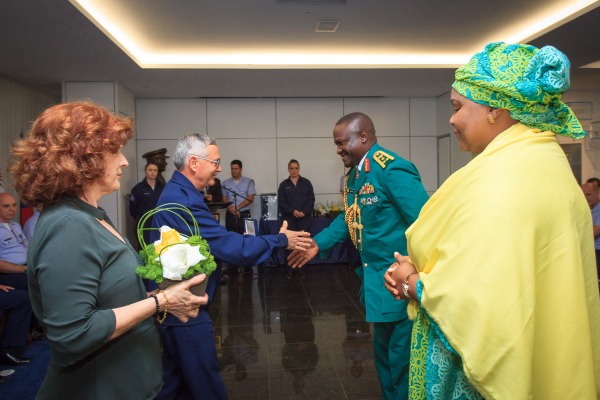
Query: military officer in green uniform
383,196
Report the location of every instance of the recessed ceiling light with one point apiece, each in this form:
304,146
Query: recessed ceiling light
327,26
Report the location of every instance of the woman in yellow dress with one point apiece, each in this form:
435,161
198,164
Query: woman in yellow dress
501,266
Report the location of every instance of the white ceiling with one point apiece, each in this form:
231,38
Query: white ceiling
262,48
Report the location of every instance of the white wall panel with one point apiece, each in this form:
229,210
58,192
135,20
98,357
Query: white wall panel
305,118
102,93
241,118
423,116
318,160
423,153
399,145
20,105
390,115
444,112
169,118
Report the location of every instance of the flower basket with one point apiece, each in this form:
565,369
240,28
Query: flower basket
334,213
197,290
176,256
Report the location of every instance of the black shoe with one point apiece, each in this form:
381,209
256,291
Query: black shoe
37,334
10,359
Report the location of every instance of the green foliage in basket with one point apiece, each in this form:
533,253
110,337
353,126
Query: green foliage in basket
152,268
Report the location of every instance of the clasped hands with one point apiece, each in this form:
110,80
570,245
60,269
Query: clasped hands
397,274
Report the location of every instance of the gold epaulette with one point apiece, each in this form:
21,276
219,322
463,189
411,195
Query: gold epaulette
382,158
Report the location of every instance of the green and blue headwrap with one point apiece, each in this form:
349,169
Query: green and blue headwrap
526,81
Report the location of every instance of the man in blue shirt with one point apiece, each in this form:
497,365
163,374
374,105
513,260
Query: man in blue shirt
241,191
14,296
592,195
190,366
13,245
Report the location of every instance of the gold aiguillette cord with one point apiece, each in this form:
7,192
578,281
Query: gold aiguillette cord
353,218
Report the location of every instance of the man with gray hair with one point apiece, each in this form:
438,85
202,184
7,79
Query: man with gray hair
190,366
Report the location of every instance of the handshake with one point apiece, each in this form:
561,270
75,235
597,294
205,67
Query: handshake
303,247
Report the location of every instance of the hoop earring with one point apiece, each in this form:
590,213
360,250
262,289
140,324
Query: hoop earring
491,119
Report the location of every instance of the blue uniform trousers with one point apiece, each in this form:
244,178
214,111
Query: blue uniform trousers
190,365
18,281
16,329
391,344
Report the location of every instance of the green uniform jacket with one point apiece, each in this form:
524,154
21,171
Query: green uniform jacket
390,196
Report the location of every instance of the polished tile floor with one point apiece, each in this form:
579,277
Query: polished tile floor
277,338
299,338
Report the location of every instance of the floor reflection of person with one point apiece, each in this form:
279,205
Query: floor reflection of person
357,345
239,347
501,274
300,354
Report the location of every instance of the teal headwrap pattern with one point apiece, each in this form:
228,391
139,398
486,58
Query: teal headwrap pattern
526,81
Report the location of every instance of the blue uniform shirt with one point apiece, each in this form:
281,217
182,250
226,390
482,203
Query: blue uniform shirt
13,244
244,187
596,221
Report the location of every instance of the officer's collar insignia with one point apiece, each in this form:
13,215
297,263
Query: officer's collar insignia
382,158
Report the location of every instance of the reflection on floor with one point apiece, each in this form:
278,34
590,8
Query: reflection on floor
299,338
277,338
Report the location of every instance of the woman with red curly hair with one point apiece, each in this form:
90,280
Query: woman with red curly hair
82,282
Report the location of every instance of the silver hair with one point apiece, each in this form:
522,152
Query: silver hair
195,143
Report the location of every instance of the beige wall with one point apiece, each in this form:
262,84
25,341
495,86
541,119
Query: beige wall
19,106
266,133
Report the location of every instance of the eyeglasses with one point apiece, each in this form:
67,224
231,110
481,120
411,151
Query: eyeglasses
216,162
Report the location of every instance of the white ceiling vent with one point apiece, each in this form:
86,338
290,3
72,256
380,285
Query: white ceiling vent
327,26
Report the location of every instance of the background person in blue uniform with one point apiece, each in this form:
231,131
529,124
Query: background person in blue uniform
383,196
296,199
190,366
296,202
241,191
16,328
144,196
13,246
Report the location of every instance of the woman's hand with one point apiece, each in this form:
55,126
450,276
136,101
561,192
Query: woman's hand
296,240
396,275
182,303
